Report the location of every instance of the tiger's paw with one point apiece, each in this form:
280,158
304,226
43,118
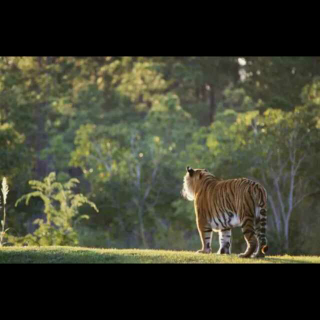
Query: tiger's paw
243,255
258,255
223,251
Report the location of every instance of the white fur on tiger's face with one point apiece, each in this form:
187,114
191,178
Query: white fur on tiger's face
187,190
189,181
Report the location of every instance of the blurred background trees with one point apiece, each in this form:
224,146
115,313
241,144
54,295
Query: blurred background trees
126,127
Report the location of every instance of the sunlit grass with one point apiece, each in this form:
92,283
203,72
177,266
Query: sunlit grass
89,255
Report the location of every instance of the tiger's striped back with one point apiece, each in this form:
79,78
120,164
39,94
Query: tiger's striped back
237,196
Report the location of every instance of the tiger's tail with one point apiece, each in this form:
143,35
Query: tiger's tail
262,217
262,233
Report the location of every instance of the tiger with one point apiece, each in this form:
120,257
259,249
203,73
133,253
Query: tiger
221,205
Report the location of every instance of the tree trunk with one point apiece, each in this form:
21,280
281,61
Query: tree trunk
286,233
142,232
40,141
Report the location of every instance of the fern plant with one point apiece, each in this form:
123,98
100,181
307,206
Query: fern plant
5,191
61,208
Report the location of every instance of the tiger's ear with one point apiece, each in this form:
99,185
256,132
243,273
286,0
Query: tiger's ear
190,170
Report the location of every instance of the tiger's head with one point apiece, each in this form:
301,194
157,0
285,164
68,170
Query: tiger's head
191,181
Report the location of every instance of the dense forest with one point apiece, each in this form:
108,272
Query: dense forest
94,149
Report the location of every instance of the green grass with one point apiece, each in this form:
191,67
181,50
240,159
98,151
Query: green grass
89,255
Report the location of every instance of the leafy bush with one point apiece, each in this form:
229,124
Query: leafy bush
61,209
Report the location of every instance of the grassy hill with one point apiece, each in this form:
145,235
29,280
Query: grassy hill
89,255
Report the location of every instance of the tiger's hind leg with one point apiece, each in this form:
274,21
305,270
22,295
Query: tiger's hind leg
250,237
225,241
258,253
260,229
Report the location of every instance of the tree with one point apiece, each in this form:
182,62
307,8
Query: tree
136,159
288,178
274,149
200,82
277,82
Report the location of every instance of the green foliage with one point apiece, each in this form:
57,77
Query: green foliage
277,82
275,148
61,209
126,127
136,157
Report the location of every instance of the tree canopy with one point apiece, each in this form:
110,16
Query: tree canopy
126,128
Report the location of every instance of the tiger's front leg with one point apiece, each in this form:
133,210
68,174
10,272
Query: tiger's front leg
225,241
205,233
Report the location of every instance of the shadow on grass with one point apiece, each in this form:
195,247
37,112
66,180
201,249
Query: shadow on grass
287,261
